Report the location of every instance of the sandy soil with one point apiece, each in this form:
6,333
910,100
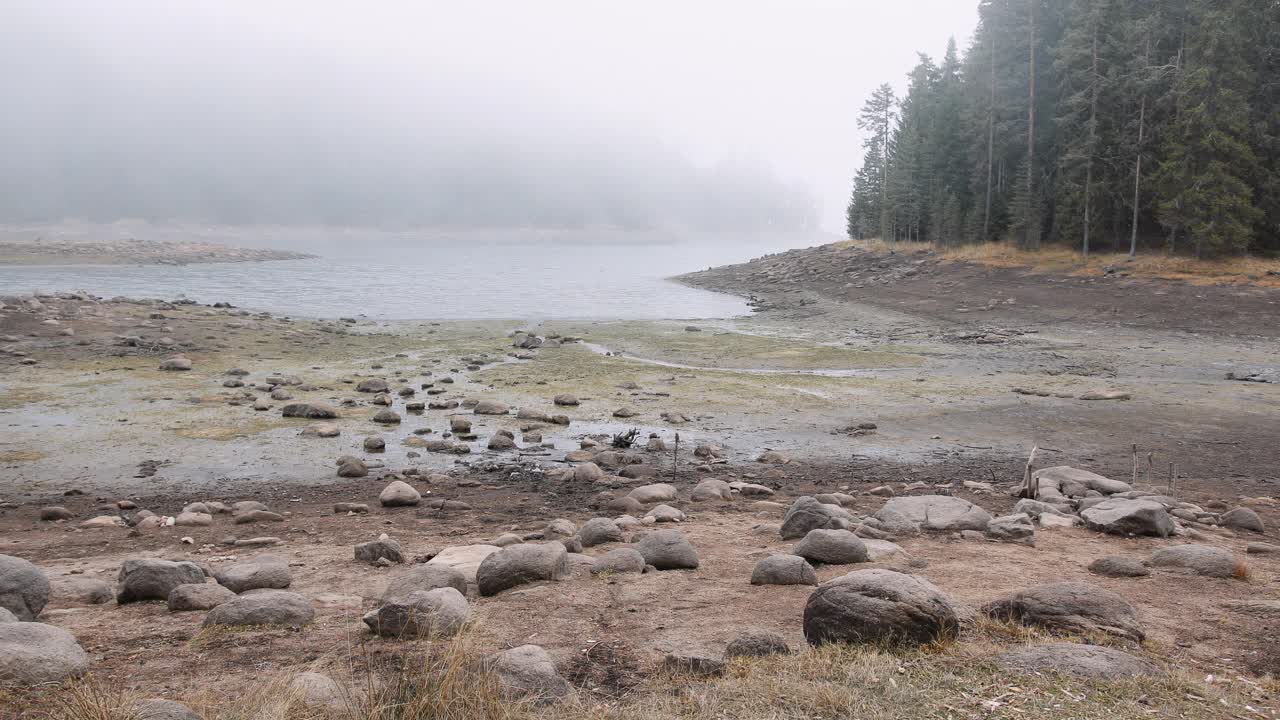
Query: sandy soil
94,417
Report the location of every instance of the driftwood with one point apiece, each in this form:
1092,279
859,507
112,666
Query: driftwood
1027,490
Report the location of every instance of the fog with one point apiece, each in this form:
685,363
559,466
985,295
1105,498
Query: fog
715,114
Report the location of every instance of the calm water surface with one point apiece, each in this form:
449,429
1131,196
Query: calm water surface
467,278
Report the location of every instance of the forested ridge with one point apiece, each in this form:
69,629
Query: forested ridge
1106,125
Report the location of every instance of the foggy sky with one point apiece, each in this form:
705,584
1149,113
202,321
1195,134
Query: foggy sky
629,107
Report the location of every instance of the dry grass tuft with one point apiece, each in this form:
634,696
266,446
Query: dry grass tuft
430,681
89,699
1241,570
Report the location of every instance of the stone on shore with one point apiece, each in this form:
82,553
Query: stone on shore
24,588
872,606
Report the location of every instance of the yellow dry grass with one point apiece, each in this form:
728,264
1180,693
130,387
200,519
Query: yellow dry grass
1263,272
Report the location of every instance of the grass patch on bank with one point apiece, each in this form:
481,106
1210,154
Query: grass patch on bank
1247,270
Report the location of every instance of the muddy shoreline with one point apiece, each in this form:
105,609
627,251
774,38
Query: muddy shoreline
855,398
134,252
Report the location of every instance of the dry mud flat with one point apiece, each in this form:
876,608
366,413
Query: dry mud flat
95,416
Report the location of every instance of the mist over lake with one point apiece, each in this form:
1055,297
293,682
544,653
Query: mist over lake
531,274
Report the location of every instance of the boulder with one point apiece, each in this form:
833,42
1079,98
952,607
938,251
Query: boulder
33,653
666,514
1118,566
438,613
598,531
386,416
352,467
879,606
773,457
465,559
940,513
1090,661
668,550
24,588
588,472
263,607
202,596
315,691
882,550
55,513
832,547
1072,608
80,590
1242,518
519,564
711,489
528,673
399,494
622,560
806,514
264,571
1200,559
1011,527
654,493
424,578
147,579
383,548
1056,484
309,411
565,400
756,643
783,570
1036,508
176,364
372,385
490,407
321,430
8,617
1118,516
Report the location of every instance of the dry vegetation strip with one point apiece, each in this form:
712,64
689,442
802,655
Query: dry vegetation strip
1248,270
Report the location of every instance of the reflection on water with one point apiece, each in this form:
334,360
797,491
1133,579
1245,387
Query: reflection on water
437,280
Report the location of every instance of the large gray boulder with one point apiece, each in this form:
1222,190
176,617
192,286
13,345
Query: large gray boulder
1073,608
653,493
264,571
424,578
832,547
8,617
668,550
940,513
399,494
383,548
1057,484
1242,518
263,607
598,531
438,613
205,596
1091,661
1118,516
806,514
1200,559
528,673
519,564
147,579
310,411
873,606
783,570
24,588
32,653
622,560
1011,528
80,590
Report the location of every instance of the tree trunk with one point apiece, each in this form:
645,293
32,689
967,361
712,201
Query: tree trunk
991,141
1032,219
1137,179
1093,125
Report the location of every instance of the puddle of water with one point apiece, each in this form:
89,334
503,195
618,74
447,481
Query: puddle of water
823,372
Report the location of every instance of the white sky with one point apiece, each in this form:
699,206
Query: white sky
779,82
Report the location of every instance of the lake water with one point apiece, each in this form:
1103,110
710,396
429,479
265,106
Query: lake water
472,276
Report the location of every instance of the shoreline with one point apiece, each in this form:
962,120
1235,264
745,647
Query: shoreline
921,404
